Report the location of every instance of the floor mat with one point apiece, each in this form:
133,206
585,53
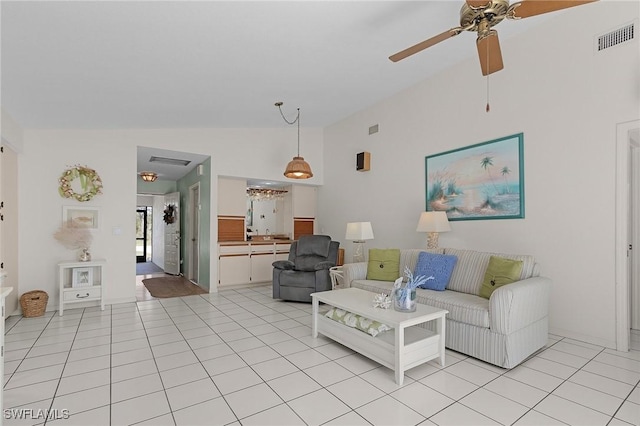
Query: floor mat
146,268
163,287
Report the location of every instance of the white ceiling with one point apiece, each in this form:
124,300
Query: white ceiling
176,64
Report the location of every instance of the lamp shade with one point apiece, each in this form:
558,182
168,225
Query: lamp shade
359,231
433,222
298,169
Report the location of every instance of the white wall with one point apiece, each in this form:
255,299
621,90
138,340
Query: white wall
47,153
12,133
567,101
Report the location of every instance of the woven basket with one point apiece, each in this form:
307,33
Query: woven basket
34,303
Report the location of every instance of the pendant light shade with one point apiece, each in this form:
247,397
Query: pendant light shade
297,168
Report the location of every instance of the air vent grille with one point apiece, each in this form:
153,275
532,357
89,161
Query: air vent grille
170,161
616,37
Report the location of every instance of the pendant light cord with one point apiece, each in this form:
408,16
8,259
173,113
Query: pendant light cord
296,120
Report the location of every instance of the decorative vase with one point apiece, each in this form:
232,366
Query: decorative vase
404,300
84,255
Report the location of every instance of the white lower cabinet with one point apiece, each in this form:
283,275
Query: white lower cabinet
233,269
248,263
261,267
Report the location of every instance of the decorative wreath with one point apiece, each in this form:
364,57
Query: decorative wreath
90,183
169,214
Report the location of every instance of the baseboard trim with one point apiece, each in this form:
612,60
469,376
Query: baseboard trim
611,344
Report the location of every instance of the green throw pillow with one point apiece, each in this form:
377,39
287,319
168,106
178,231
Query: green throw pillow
384,264
500,271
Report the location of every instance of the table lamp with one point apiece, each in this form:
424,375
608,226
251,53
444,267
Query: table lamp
433,223
358,232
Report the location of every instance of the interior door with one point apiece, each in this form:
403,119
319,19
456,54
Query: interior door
172,233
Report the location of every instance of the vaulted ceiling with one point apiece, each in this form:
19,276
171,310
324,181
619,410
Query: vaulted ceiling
178,64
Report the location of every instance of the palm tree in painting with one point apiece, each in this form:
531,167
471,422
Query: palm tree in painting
505,172
485,163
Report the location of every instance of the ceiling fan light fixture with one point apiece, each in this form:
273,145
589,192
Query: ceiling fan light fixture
149,176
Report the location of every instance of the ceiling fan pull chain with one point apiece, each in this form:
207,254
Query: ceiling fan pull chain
488,108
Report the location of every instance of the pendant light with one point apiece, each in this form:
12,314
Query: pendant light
297,168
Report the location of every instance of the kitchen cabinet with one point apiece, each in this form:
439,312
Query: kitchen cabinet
248,263
232,197
262,258
304,201
234,265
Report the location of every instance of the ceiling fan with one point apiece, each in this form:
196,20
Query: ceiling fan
480,16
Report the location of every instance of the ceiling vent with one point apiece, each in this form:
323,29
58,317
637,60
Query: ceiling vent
615,37
170,161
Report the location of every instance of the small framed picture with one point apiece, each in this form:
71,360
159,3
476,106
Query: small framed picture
82,277
87,217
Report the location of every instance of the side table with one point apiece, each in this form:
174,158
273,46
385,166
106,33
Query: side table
81,282
336,274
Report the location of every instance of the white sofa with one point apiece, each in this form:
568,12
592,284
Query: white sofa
503,330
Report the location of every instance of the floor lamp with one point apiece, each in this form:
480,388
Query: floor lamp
359,232
433,223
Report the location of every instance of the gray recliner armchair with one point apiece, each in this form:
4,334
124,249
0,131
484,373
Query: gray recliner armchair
307,270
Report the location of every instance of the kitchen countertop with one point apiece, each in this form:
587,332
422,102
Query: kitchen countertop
263,242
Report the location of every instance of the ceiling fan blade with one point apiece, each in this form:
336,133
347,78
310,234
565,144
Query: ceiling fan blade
527,8
475,4
424,44
489,53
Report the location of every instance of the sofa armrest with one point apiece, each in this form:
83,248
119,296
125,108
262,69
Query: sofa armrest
324,265
283,264
516,305
354,271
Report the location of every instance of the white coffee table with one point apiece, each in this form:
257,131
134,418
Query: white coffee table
401,349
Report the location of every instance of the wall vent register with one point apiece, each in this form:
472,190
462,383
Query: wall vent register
616,37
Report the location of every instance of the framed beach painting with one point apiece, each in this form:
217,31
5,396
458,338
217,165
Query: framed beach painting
482,181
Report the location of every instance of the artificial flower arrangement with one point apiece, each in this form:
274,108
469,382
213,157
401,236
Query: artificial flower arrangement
404,296
74,236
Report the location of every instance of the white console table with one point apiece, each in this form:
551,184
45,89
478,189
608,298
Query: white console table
94,290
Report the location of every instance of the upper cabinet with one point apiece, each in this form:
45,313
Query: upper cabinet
232,197
304,201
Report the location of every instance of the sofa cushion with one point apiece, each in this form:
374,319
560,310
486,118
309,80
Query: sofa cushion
469,271
500,271
438,266
464,308
384,264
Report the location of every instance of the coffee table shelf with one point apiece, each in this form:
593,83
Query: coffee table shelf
407,346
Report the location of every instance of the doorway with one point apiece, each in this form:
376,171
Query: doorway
627,232
144,234
634,236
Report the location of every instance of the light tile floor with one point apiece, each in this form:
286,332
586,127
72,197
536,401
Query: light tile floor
240,357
